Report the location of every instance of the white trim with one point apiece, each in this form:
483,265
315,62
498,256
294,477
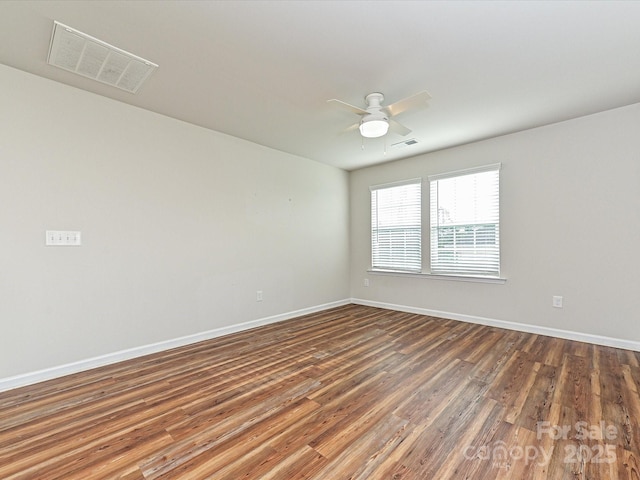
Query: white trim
437,276
467,171
80,366
89,363
399,183
520,327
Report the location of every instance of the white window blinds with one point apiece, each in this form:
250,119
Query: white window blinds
464,221
396,226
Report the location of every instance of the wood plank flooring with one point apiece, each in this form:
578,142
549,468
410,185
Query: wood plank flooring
349,393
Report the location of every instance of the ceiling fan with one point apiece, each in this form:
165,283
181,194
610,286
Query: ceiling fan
376,119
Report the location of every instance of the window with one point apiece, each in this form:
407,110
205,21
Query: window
396,226
464,220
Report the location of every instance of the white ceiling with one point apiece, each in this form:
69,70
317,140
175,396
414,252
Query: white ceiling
264,70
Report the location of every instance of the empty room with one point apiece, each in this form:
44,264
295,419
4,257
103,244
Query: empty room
324,240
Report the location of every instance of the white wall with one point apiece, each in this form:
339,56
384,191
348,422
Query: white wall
180,226
570,226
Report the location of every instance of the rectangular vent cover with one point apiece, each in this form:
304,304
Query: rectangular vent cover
80,53
405,143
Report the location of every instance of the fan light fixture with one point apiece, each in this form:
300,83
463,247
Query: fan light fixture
374,126
377,120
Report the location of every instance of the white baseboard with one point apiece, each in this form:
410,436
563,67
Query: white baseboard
520,327
82,365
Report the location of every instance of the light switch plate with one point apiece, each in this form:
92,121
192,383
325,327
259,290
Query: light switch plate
63,238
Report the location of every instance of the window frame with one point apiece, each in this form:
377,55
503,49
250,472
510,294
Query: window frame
401,266
488,251
425,270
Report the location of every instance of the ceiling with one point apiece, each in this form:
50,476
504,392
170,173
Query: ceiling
264,70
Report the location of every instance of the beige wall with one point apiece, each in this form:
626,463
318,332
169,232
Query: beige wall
570,226
180,225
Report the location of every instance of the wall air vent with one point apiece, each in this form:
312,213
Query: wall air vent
77,52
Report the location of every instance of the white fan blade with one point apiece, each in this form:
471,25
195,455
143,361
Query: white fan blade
349,129
419,100
398,128
347,106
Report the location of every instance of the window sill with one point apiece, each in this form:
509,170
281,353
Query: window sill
454,278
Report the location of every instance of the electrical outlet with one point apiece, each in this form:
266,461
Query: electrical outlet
557,301
366,282
259,296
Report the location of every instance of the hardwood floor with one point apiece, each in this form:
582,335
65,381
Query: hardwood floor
350,393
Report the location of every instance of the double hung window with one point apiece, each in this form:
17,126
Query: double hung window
465,222
396,226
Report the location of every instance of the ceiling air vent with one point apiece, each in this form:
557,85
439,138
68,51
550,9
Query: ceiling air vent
77,52
405,143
